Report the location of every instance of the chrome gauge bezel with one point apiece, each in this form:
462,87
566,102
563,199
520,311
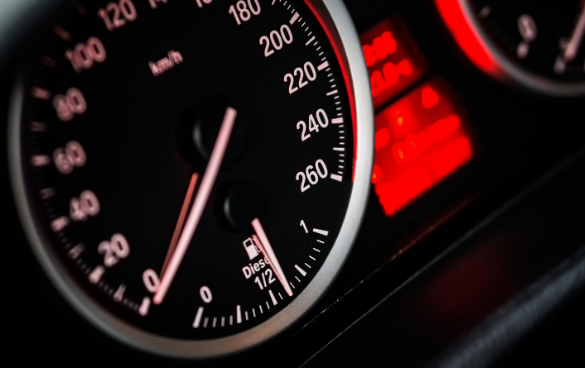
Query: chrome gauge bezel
335,17
508,70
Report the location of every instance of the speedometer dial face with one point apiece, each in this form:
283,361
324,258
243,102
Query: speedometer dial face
544,40
533,43
190,168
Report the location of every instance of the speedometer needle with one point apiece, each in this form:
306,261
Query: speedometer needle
181,221
199,203
575,42
266,249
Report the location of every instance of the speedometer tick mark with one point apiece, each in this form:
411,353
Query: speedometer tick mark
323,66
47,61
143,310
197,321
47,193
321,232
294,18
336,177
280,296
339,149
119,293
37,127
59,224
222,321
261,310
291,284
310,40
332,92
80,9
312,258
272,297
267,305
59,31
246,313
205,322
40,160
301,271
316,250
214,322
307,265
238,314
40,93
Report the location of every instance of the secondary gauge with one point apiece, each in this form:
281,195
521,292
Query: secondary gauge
192,174
527,42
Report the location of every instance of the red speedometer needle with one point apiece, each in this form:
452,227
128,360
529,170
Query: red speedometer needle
181,221
266,249
199,204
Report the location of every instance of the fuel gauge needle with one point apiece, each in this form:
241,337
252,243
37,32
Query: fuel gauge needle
199,203
266,249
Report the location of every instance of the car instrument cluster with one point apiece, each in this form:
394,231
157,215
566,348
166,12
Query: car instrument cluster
191,175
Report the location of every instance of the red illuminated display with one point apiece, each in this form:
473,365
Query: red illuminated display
419,140
394,62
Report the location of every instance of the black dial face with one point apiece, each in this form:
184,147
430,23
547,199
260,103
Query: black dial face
189,162
543,37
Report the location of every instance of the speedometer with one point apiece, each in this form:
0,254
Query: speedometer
526,42
192,173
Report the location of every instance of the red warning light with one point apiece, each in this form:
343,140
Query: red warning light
394,61
419,141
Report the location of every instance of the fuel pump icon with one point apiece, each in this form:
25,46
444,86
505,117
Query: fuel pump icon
251,248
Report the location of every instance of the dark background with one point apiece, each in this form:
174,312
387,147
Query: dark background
484,270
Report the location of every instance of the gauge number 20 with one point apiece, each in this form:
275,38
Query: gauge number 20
312,175
114,250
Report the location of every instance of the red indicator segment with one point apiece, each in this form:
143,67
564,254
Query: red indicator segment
420,140
393,59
